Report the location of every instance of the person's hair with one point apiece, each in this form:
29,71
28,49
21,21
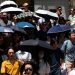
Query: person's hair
59,7
36,58
61,20
53,41
10,47
23,66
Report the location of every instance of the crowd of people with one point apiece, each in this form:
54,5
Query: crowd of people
21,60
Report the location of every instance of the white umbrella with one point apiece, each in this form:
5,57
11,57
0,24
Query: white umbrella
35,15
12,10
46,13
7,3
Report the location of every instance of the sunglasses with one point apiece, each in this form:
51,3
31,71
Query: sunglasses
30,69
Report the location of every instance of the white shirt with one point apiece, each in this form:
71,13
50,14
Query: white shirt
72,72
25,56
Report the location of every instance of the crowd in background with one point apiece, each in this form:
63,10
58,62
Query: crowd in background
16,60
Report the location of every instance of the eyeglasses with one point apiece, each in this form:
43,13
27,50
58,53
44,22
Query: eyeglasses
28,69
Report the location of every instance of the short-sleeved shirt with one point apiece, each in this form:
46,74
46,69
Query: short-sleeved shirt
25,56
69,48
12,69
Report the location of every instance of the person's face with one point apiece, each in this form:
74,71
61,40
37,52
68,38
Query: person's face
4,15
10,53
26,8
60,10
72,36
55,45
28,69
71,11
41,54
14,17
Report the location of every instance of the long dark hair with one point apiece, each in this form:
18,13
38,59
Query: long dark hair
36,59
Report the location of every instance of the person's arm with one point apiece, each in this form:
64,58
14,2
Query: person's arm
3,67
47,69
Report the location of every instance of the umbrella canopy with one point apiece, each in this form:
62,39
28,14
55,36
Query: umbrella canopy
25,14
46,14
58,28
24,25
5,29
12,10
36,42
36,16
15,28
8,4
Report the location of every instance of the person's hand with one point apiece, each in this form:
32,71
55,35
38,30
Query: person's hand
23,73
21,61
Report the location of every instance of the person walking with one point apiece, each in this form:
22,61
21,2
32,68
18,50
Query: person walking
68,49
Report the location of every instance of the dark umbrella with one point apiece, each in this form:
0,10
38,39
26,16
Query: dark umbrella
34,46
59,28
36,42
